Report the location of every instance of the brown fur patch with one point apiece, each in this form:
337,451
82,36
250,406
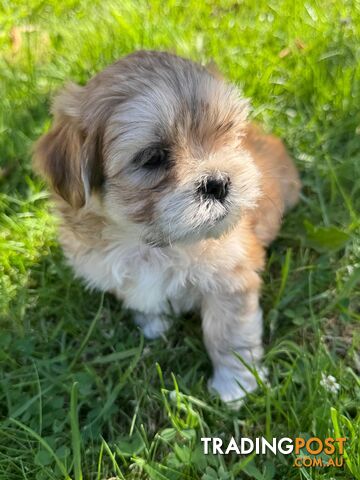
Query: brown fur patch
143,201
58,158
66,155
280,183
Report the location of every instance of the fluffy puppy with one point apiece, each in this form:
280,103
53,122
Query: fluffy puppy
168,197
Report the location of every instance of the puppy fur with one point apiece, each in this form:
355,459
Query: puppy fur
168,197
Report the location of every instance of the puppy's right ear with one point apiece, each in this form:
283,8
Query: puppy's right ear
65,154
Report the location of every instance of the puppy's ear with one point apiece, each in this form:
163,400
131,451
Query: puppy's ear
69,156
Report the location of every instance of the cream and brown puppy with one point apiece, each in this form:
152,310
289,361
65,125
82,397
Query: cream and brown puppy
168,197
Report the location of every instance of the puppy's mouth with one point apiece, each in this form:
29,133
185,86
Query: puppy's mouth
212,227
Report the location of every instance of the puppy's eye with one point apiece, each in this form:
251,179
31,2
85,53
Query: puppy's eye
153,158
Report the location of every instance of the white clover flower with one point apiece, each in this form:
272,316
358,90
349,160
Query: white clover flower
173,395
329,383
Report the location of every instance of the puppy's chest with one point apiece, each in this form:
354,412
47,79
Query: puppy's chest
148,280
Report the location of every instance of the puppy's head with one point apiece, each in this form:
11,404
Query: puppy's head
158,140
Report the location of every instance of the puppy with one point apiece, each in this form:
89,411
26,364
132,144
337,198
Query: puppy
168,198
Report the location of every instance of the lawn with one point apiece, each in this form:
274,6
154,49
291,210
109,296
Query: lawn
82,394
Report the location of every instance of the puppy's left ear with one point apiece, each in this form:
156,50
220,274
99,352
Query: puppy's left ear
69,156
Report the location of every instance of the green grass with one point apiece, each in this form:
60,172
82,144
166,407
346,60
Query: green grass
81,394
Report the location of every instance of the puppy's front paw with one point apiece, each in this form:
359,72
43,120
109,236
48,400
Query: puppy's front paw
233,384
153,326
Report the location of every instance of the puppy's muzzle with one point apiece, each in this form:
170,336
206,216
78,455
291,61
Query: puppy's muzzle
215,188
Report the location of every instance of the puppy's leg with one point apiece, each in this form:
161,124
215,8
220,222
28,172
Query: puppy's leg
153,325
232,325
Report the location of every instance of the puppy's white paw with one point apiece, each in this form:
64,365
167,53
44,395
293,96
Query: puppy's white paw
233,384
153,326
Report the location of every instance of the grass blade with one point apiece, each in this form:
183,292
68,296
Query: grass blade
113,459
88,334
75,433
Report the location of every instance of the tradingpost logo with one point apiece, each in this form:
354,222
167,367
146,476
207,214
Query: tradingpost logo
311,452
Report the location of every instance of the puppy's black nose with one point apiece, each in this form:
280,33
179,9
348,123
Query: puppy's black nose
215,188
